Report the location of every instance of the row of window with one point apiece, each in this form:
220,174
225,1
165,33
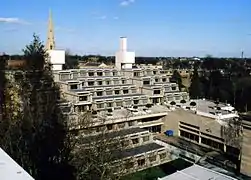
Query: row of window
121,103
142,161
115,92
173,88
205,141
75,75
98,83
147,73
147,82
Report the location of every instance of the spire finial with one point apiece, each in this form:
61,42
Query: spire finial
50,45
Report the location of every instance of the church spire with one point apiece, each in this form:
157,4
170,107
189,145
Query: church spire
50,44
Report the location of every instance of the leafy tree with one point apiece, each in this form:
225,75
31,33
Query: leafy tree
35,131
71,62
195,89
35,55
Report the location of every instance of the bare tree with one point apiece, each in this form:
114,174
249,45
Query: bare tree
232,132
96,150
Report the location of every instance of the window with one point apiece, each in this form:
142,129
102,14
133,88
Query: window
162,155
100,106
156,92
107,73
135,141
108,93
174,88
130,123
146,82
91,73
119,104
100,83
116,81
99,73
74,86
134,90
125,91
141,162
75,75
109,127
107,82
123,81
136,74
129,164
99,93
64,76
163,79
82,98
156,80
82,73
125,143
109,104
116,91
121,125
152,158
91,83
135,101
114,73
146,138
154,72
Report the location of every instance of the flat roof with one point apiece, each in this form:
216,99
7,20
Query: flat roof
196,172
110,135
138,150
9,169
208,106
203,122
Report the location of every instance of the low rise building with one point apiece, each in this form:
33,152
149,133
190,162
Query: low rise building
212,125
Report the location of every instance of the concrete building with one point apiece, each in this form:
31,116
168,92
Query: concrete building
126,102
209,125
246,145
135,102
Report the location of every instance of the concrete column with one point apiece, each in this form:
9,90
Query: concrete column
140,140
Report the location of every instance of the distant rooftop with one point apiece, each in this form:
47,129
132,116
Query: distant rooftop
197,172
139,150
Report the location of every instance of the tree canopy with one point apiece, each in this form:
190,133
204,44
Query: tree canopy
34,132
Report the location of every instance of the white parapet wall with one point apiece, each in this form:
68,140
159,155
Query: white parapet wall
10,170
56,58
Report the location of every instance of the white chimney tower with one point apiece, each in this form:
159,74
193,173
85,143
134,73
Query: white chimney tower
123,44
124,59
